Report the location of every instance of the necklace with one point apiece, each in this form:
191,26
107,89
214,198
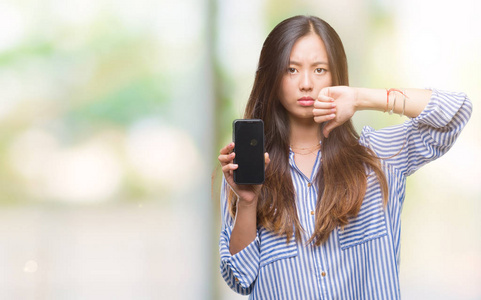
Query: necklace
307,150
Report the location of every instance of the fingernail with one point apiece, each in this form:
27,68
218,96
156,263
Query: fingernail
332,116
333,110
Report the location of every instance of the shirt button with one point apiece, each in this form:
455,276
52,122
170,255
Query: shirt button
236,279
323,274
312,212
309,184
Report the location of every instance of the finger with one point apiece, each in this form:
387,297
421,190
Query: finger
324,118
324,104
229,177
226,158
324,98
266,158
323,112
227,149
229,167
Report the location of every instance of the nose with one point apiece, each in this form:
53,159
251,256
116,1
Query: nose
305,83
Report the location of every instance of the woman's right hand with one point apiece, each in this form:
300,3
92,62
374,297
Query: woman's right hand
247,194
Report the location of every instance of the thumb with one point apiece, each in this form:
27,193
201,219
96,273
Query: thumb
328,128
325,92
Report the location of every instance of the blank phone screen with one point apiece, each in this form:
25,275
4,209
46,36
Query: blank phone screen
249,151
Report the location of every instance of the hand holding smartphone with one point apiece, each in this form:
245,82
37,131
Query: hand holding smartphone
248,135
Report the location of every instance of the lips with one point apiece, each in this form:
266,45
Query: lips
306,101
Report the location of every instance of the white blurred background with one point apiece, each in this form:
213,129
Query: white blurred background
111,117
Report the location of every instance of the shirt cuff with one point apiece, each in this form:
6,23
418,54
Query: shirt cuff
244,265
441,108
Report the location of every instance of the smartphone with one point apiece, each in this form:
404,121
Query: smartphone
248,136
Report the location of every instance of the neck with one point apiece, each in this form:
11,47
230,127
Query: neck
304,134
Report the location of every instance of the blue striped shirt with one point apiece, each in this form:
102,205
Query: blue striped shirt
360,261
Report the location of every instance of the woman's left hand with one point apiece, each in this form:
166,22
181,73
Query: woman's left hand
334,105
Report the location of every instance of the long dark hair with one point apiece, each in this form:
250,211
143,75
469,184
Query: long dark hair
342,179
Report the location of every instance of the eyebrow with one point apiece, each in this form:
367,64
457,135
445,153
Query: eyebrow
292,62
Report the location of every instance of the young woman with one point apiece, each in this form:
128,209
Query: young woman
326,222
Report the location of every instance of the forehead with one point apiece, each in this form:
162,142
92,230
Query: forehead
309,48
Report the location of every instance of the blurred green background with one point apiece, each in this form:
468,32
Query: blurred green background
111,117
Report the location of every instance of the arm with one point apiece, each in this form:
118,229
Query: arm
239,270
345,101
376,99
426,137
437,120
245,226
239,241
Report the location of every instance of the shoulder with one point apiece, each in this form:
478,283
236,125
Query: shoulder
385,142
366,135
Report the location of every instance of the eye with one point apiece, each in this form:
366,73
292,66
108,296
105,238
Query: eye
320,71
291,70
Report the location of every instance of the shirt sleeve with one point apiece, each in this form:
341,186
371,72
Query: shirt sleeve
240,270
425,138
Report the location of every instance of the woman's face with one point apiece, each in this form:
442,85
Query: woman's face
307,74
